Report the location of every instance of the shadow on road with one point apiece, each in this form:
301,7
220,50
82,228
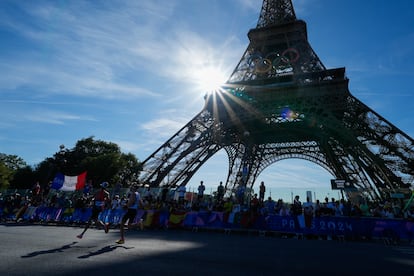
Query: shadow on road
103,250
50,251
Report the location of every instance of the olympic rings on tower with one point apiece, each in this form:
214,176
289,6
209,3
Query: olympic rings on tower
272,60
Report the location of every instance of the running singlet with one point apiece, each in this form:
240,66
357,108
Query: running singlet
100,199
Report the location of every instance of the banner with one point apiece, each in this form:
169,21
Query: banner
69,183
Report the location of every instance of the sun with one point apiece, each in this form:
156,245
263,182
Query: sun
209,78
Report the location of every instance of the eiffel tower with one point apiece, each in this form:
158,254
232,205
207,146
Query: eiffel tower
281,102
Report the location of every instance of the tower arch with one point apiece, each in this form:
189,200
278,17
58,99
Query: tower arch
281,101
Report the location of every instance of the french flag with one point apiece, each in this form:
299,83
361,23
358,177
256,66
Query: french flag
69,183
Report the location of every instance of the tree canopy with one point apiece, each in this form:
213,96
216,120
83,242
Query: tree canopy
9,166
102,160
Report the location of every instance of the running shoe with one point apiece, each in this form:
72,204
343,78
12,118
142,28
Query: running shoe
106,228
121,241
79,236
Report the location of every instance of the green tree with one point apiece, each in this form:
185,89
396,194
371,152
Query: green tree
102,160
13,162
130,169
46,170
24,178
6,175
9,167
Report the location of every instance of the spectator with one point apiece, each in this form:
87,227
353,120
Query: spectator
148,194
297,211
308,212
284,210
279,205
181,190
317,209
220,191
240,193
117,189
330,205
364,207
297,206
164,193
356,211
228,205
337,209
254,204
388,213
262,191
347,208
88,188
270,205
201,189
409,213
46,189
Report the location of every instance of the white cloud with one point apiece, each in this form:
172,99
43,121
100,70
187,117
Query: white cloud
86,50
54,117
91,49
127,146
163,127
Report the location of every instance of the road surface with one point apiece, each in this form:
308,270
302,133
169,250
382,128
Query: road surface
55,250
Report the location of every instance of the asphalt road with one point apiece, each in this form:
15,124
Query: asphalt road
55,250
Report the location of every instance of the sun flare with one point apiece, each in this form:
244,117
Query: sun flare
209,79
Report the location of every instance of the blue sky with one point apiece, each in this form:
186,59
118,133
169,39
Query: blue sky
133,72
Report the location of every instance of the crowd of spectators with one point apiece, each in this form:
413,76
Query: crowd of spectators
14,205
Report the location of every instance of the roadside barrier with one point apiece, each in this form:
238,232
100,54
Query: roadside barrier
330,226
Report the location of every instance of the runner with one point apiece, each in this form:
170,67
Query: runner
134,201
99,200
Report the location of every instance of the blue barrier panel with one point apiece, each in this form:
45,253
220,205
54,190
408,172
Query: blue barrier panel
40,213
393,229
30,212
362,226
81,215
216,219
190,219
281,224
368,227
67,215
56,214
163,219
408,230
260,223
333,226
104,216
115,216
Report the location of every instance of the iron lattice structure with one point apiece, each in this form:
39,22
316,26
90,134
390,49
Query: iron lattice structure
281,102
